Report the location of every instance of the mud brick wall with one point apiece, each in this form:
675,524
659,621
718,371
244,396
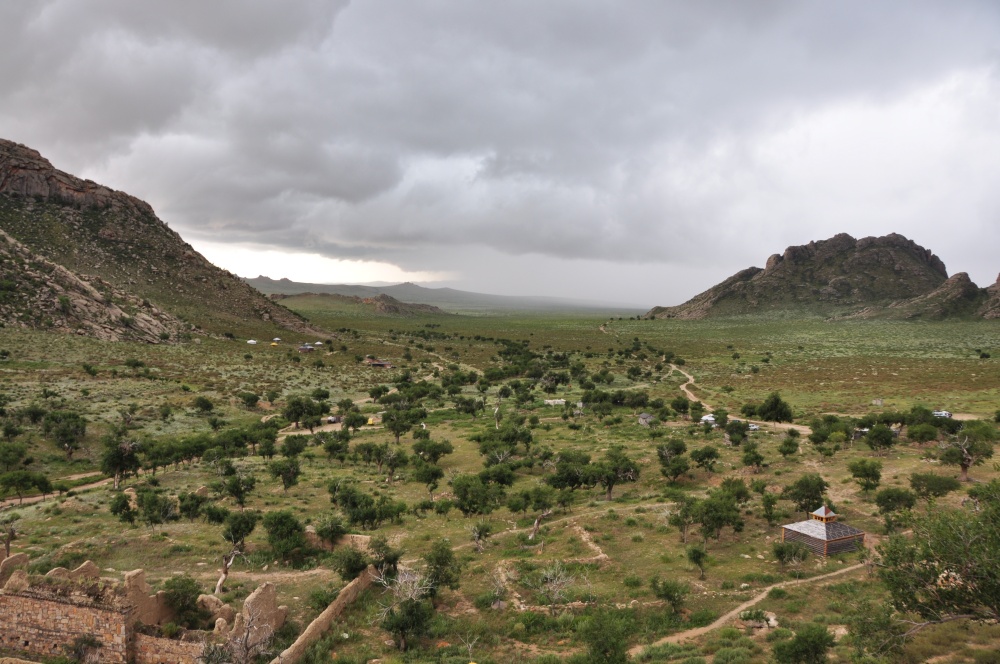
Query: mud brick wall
45,626
318,627
157,650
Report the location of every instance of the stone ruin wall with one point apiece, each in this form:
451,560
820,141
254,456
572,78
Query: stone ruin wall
158,650
44,625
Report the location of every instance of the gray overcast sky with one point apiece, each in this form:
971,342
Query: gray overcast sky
632,151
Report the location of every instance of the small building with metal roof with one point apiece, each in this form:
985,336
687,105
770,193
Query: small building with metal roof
823,534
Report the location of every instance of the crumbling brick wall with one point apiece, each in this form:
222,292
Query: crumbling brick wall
45,625
158,650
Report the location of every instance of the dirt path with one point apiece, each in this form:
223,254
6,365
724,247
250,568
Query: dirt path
698,631
686,387
30,500
778,426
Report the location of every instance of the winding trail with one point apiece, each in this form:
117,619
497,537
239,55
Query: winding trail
698,631
780,426
30,500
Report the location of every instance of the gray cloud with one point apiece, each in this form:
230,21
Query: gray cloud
650,139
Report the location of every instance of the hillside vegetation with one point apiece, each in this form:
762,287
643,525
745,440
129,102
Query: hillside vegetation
463,455
97,233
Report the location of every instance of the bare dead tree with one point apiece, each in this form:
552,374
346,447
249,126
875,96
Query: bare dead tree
538,522
245,645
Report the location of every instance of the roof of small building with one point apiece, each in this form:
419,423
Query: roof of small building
824,512
830,530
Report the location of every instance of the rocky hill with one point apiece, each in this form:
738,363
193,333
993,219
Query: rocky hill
104,236
381,305
874,277
37,293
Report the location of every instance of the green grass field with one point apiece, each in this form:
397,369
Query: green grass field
818,367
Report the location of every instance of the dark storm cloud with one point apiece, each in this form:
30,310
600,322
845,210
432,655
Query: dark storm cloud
571,134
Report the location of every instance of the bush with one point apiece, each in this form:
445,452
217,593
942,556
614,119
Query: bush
181,595
348,562
733,656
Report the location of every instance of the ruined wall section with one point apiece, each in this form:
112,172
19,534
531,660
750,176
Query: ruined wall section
158,650
40,621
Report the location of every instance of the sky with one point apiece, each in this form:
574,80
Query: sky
628,151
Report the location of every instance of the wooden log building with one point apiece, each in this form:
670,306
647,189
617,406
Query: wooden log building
823,534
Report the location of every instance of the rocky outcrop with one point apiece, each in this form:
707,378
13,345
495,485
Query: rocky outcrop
840,276
107,238
38,293
991,306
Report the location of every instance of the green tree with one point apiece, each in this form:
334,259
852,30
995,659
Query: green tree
971,447
931,485
429,475
880,438
249,399
705,458
752,458
181,596
607,635
768,502
286,535
408,619
789,446
774,409
121,507
66,428
472,496
789,553
718,511
203,405
671,591
809,646
698,556
737,432
431,451
12,454
867,473
948,568
348,562
615,468
120,457
238,487
287,470
293,446
21,482
892,501
806,492
443,570
684,516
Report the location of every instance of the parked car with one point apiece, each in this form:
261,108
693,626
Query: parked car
941,413
753,427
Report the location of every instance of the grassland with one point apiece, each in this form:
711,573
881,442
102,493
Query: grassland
818,367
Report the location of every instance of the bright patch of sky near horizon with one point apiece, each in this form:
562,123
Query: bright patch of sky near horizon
638,152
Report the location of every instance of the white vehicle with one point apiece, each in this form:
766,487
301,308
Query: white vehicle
710,419
753,427
252,342
941,413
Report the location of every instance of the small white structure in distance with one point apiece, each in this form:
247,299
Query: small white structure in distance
252,342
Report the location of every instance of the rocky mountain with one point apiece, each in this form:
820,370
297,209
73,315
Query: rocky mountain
874,277
115,243
382,305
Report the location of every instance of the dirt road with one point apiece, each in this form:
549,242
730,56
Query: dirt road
698,631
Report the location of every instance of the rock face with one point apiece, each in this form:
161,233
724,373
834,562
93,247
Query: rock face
888,276
114,243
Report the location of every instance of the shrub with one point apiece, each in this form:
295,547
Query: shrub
181,595
348,562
